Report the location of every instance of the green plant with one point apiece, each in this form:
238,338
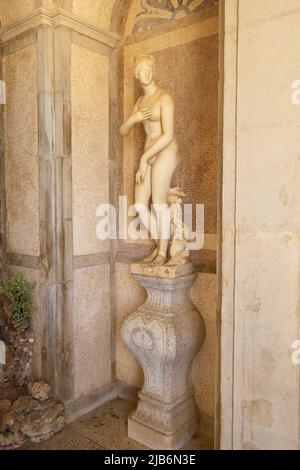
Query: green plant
19,293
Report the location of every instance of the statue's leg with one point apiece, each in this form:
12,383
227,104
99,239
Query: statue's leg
142,198
162,172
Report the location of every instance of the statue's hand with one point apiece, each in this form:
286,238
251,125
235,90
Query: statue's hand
141,174
142,115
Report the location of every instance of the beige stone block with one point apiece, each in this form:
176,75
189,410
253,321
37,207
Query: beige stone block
129,296
92,329
90,131
269,10
266,72
268,172
266,324
256,437
154,439
21,144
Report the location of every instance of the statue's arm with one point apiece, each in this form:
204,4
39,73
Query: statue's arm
136,117
167,120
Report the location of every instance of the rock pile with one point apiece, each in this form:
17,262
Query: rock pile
34,417
17,370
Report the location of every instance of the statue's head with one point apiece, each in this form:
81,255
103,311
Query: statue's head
144,69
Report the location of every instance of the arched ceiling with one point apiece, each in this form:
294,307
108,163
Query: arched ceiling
146,14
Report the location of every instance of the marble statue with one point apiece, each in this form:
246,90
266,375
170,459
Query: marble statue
155,109
166,331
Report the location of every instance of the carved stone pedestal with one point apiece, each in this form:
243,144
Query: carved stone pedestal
165,334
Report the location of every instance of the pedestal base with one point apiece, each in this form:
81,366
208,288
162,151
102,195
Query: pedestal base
164,334
163,272
156,440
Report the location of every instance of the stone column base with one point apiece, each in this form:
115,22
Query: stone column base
159,441
165,334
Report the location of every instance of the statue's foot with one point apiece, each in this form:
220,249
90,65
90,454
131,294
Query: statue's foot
151,257
159,260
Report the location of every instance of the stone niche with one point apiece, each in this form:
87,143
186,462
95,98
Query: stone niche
186,51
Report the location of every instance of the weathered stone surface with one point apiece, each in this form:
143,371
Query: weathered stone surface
25,405
42,424
29,418
16,370
11,422
39,390
5,407
12,440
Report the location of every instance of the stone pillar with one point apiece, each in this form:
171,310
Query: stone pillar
49,44
165,334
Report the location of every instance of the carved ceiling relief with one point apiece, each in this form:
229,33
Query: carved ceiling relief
157,12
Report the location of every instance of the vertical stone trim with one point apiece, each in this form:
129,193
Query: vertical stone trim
64,320
217,414
231,36
2,183
113,133
46,140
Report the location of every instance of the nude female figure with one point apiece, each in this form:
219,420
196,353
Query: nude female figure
155,109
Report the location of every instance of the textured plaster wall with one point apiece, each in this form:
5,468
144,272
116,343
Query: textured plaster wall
21,141
13,10
92,329
90,136
97,12
261,221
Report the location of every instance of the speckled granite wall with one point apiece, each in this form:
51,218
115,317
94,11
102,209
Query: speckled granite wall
21,141
92,329
90,175
90,172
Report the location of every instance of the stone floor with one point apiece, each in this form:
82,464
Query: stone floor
103,429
